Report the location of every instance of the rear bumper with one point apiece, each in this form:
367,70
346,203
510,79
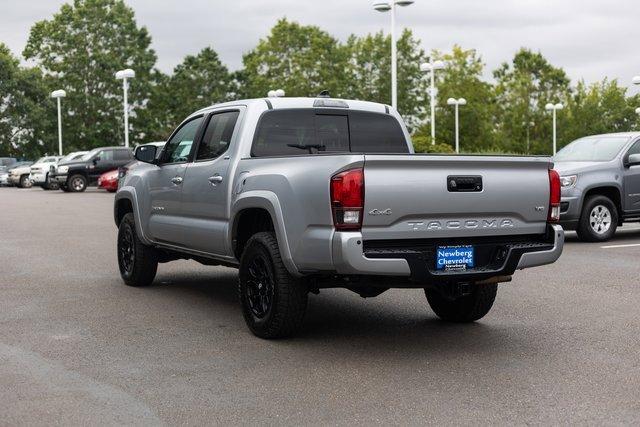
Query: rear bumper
498,257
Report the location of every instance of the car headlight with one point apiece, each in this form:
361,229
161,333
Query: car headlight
63,169
568,181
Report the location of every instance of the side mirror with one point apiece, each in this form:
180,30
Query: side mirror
633,159
146,153
96,160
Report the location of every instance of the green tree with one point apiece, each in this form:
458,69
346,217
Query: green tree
462,78
598,108
80,49
199,81
26,113
302,60
368,75
523,87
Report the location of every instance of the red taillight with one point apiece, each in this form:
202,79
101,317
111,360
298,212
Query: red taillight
347,199
554,196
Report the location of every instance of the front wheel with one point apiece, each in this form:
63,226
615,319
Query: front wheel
464,309
273,302
77,183
138,263
598,221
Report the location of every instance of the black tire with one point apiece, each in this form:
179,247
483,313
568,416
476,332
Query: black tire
273,302
64,188
77,183
51,185
24,182
138,263
468,308
598,220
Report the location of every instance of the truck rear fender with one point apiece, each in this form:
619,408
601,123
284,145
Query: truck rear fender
268,201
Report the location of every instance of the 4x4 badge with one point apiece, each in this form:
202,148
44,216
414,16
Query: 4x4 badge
379,212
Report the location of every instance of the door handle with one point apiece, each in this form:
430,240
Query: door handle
215,179
177,180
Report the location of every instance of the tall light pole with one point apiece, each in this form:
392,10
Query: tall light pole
554,108
124,75
57,94
386,6
431,67
457,103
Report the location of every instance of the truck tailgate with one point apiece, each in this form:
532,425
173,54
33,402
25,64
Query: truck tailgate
413,196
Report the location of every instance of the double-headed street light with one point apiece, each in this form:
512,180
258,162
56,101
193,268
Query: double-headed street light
57,94
124,75
278,93
431,67
554,108
386,6
457,103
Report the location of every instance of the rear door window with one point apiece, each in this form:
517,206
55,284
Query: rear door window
218,135
308,131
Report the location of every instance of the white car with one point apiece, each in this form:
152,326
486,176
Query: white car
39,174
19,175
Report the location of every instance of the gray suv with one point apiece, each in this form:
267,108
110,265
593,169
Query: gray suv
600,178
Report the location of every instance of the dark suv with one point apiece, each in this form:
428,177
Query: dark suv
76,175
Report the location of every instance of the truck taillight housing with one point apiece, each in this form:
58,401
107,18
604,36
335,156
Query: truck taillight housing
347,199
554,196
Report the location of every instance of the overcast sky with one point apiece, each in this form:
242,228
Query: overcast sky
590,39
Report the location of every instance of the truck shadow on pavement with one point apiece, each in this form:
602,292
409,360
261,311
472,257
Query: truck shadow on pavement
394,322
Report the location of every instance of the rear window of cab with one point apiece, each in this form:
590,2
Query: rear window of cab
292,132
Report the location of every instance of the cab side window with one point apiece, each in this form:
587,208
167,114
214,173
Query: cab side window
121,155
635,148
218,135
178,147
105,156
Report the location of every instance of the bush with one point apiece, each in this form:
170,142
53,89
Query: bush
422,144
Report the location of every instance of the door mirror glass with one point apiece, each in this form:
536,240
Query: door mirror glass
146,153
634,159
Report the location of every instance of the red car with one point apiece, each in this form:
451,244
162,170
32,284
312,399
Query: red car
109,181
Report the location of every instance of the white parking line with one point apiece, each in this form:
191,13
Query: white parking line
620,246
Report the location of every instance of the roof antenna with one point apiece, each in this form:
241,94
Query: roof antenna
324,94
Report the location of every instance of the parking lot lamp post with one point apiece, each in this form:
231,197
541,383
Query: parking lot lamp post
457,103
636,80
124,75
57,94
431,67
386,6
554,108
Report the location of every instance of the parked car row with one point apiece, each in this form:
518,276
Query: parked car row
72,173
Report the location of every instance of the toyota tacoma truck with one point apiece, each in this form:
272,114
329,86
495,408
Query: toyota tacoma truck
600,179
302,194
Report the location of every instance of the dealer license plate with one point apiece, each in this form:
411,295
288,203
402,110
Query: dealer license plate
456,258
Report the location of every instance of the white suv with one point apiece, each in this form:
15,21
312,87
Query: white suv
39,174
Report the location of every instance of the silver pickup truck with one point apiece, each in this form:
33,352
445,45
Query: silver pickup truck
303,194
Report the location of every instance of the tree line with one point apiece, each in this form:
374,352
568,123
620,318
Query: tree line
81,47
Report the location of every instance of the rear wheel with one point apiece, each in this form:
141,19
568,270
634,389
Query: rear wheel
464,309
25,182
599,219
138,262
273,302
77,183
51,184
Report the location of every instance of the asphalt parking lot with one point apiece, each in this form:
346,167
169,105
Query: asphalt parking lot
561,344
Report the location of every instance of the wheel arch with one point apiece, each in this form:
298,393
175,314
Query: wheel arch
259,209
612,192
